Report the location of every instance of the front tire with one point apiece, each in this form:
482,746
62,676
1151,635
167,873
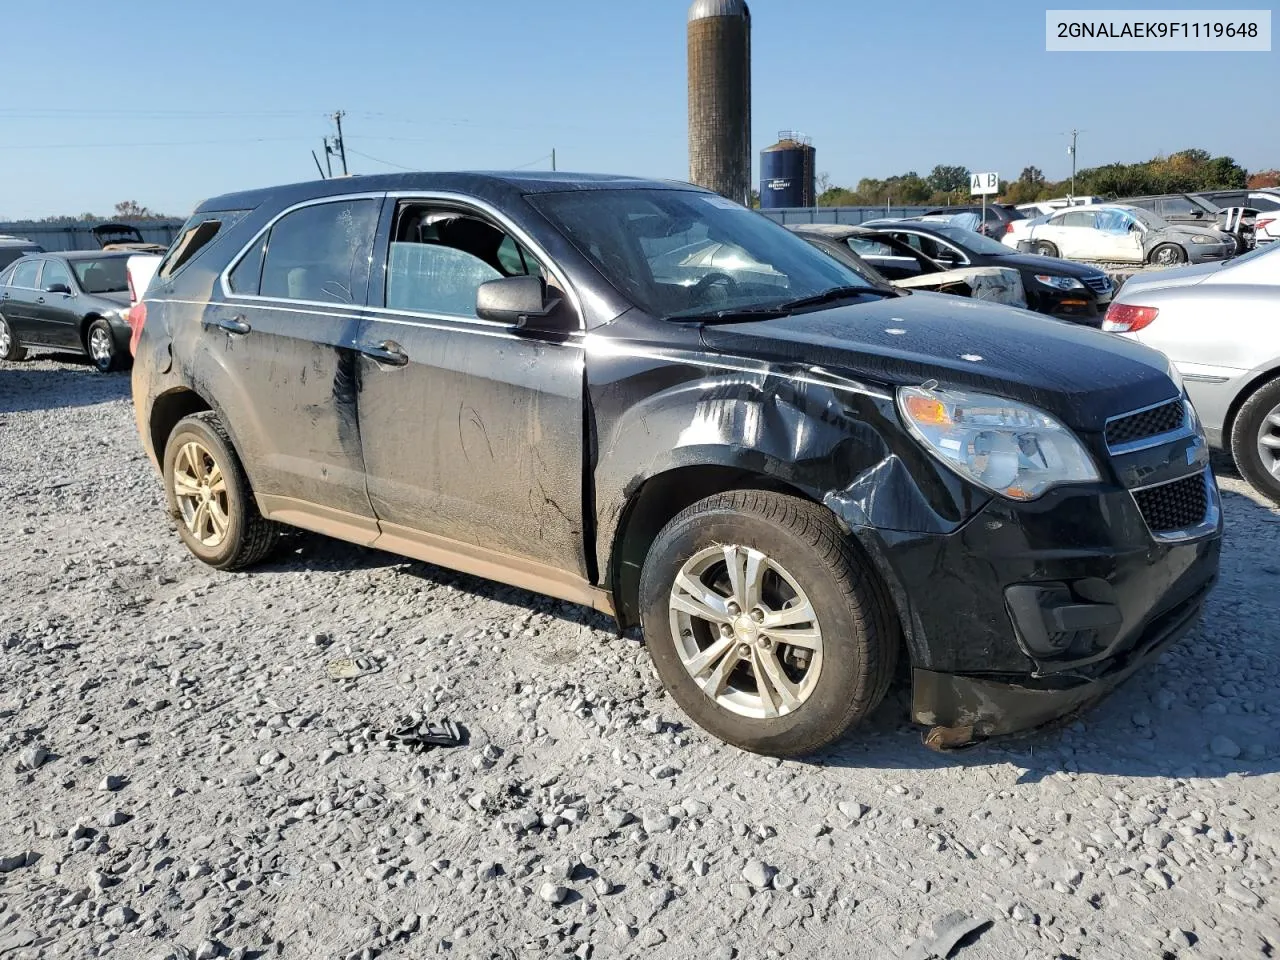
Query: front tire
210,497
100,344
10,349
765,624
1046,249
1168,255
1255,440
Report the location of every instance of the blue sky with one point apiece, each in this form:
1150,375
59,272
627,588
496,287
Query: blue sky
169,103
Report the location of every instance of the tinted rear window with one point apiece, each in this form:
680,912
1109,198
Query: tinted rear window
102,275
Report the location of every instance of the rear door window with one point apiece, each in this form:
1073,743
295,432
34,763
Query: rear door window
26,275
1172,207
1076,218
320,253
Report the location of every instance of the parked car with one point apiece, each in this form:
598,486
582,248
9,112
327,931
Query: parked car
1060,288
11,248
124,236
885,260
1044,208
66,302
1265,201
1217,323
1123,234
788,477
1197,213
995,219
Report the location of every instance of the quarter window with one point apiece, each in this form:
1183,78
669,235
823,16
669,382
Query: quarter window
26,274
320,253
439,258
196,234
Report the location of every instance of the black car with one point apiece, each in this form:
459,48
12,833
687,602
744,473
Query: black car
1060,288
994,219
788,477
68,302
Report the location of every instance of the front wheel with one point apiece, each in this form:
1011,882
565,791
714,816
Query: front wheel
10,349
210,497
1046,249
1168,255
101,345
765,624
1255,440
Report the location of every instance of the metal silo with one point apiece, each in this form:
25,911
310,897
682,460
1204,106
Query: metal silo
720,97
787,172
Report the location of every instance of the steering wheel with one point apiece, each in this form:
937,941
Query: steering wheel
710,280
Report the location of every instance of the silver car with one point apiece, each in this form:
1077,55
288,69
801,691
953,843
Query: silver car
1218,323
1123,234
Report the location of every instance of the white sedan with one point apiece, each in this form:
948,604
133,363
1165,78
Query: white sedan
1217,323
1123,234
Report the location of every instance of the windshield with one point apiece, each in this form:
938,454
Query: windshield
974,242
680,253
105,275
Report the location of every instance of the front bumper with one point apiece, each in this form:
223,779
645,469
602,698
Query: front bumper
1080,306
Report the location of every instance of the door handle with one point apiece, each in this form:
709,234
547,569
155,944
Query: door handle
39,299
388,352
235,325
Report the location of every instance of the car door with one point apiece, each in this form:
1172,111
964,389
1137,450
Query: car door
53,313
279,345
893,263
18,301
472,430
1119,236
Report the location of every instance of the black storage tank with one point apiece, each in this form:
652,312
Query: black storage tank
787,172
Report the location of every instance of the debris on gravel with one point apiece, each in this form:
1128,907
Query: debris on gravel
183,780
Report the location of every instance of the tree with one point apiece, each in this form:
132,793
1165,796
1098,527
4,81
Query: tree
946,179
823,183
1265,178
1031,175
132,210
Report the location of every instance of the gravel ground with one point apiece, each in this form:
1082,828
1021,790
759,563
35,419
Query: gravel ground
182,779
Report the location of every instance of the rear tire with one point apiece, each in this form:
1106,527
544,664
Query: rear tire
1255,440
827,661
10,349
1168,255
210,498
1045,248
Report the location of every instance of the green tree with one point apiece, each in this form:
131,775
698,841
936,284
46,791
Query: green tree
945,179
1031,175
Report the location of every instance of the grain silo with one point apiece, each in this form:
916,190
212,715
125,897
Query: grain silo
720,97
787,172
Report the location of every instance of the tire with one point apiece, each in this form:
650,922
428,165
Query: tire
100,345
1168,255
852,635
197,445
1255,440
1045,248
10,349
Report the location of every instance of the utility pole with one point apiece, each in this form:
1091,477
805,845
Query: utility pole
553,159
342,147
1072,150
319,169
328,155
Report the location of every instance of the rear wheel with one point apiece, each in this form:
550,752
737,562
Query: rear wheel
210,497
764,623
1168,255
1255,440
100,343
1045,248
10,349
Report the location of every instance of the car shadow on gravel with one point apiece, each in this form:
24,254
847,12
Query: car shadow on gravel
74,383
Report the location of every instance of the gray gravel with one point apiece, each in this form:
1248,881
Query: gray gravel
181,777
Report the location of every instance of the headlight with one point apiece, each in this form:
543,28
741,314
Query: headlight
1059,283
1201,238
122,314
1007,447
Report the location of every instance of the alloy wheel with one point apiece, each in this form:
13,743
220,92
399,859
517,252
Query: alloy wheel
1269,442
200,491
6,338
745,631
100,346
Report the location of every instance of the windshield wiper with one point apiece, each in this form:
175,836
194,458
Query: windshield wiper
829,296
732,314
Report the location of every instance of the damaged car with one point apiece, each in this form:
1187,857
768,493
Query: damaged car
1116,233
891,261
792,480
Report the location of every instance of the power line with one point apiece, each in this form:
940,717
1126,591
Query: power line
137,143
387,163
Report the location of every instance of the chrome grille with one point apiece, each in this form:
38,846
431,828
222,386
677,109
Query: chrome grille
1100,284
1174,506
1146,423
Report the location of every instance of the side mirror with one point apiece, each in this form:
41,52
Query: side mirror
58,288
515,300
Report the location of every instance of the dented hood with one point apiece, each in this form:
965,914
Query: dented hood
1077,374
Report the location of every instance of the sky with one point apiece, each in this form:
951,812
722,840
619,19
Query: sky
167,104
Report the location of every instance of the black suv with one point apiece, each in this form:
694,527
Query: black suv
646,398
